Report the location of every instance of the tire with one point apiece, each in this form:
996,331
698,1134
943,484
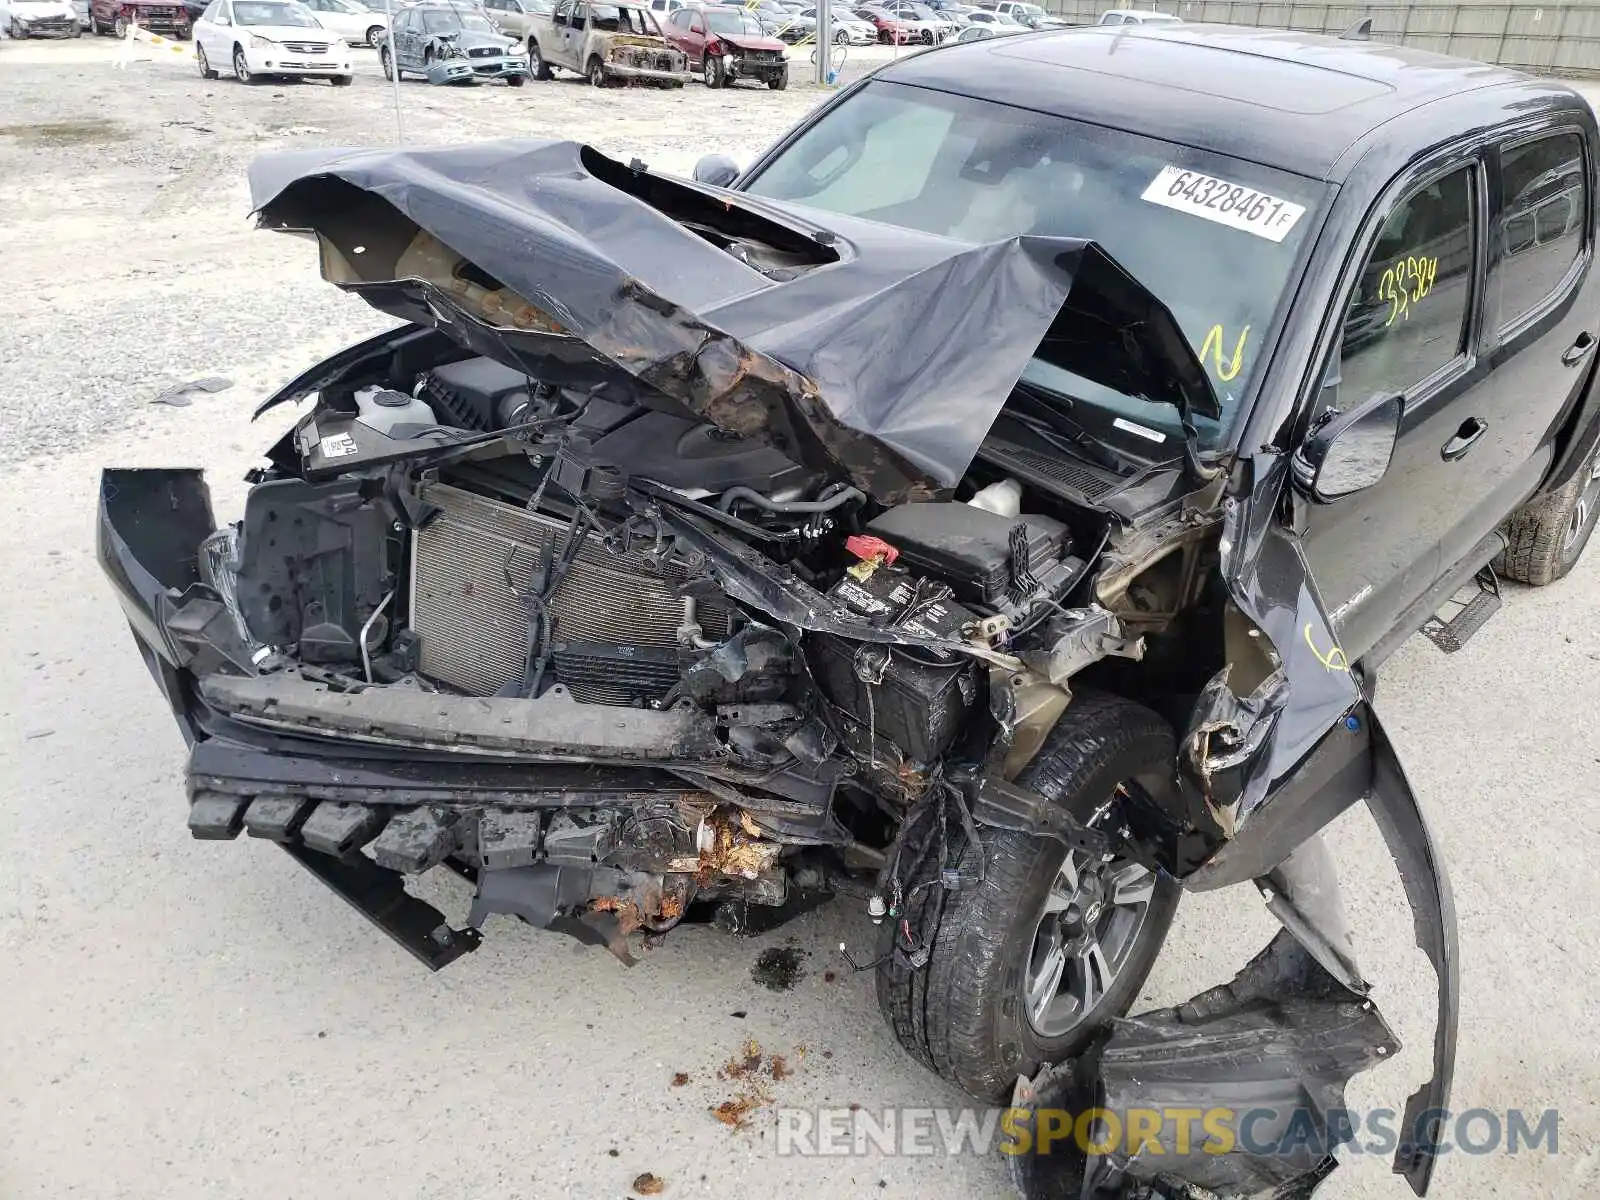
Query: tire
386,62
207,71
341,80
779,81
516,80
241,69
94,24
119,27
841,37
17,32
711,71
374,34
537,67
1547,536
596,73
965,1015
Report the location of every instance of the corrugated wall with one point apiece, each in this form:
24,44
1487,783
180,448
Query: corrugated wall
1561,38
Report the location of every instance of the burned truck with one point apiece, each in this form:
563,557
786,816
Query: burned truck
694,551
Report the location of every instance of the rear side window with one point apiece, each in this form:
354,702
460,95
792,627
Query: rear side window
1542,231
1408,316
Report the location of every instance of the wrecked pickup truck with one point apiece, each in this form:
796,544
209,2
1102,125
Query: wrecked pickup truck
606,43
1019,540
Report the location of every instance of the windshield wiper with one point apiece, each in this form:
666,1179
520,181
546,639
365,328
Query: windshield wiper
1064,432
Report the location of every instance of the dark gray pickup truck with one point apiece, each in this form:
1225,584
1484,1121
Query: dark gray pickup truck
995,503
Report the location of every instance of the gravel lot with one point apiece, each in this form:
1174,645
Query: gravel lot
189,1019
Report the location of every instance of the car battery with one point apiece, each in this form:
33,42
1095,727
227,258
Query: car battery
915,696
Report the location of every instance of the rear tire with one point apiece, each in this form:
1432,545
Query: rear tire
374,34
207,71
967,1015
1547,536
120,26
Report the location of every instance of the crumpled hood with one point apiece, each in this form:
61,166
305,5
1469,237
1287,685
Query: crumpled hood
469,39
871,350
750,41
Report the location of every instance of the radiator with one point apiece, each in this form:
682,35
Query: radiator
615,619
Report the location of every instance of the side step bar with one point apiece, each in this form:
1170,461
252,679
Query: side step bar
1472,614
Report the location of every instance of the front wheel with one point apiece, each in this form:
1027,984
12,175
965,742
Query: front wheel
1546,538
779,81
387,63
341,80
18,33
1029,963
711,69
537,67
241,69
597,73
516,80
842,37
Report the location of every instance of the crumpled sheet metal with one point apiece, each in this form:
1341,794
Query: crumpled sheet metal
889,363
1282,1037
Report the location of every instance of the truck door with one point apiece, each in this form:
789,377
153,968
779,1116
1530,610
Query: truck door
1544,306
1412,326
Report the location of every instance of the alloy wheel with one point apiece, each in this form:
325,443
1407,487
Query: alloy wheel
1085,936
241,69
1583,512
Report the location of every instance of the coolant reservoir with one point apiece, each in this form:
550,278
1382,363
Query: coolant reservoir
1004,498
384,409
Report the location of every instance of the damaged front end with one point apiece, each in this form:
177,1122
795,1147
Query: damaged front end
631,581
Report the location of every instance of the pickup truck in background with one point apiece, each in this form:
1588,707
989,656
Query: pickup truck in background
606,43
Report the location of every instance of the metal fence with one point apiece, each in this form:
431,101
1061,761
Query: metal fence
1560,38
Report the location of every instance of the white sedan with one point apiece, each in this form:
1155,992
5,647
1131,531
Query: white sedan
351,21
847,27
39,18
254,38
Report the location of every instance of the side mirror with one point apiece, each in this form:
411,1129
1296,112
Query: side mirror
1350,451
716,169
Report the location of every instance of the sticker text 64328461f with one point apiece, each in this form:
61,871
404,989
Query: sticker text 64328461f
1230,204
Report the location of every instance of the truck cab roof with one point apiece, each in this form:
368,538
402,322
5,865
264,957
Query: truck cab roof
1300,102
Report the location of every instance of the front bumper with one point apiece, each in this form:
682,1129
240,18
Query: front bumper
764,70
470,70
279,60
49,27
647,74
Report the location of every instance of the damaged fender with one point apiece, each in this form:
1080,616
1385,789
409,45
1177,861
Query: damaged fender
1274,766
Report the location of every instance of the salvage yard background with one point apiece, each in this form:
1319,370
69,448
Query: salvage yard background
188,1019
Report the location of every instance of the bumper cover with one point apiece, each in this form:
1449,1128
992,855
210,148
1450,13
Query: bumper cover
464,70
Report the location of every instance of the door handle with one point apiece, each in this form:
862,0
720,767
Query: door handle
1471,430
1579,350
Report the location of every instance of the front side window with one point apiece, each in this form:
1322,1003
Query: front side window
1542,229
1214,238
1408,316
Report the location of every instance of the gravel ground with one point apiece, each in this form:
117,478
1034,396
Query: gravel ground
189,1019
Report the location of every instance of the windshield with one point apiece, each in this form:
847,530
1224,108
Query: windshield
1213,238
732,21
261,12
450,22
614,19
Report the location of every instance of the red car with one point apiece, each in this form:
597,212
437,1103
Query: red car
890,27
114,16
727,44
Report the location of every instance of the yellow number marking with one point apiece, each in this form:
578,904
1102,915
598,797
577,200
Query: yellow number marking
1408,281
